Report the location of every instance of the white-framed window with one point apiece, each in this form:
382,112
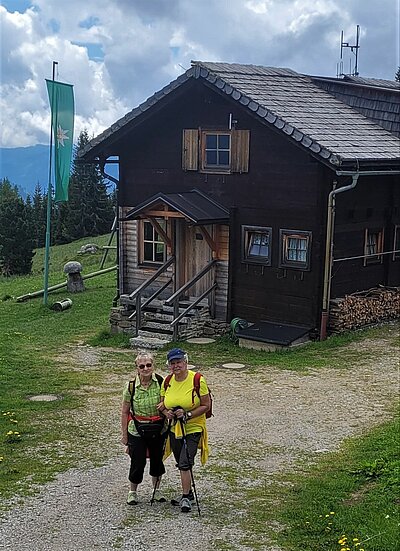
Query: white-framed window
256,244
373,245
152,247
295,249
396,242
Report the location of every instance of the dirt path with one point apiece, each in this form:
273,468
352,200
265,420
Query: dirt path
265,421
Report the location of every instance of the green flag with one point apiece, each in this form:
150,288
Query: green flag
62,115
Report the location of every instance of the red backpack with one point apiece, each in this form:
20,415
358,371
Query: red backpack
196,389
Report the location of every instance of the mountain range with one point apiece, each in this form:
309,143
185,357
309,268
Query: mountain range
26,166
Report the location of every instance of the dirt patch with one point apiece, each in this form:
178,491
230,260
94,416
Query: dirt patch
266,420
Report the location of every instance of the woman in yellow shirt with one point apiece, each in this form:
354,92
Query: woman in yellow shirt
179,401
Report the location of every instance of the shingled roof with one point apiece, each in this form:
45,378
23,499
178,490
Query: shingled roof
290,102
376,99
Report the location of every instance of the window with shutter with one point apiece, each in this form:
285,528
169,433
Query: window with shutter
216,151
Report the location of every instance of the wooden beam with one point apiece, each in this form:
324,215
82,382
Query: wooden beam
163,214
211,243
160,231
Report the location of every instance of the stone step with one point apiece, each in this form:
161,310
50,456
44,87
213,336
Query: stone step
159,317
156,334
148,343
157,327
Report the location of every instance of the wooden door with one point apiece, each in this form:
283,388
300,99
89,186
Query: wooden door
196,255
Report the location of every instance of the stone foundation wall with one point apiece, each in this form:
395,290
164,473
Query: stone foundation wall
203,327
198,326
119,322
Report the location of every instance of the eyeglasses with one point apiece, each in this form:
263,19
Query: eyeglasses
142,366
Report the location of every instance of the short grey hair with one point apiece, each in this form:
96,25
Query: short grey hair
144,354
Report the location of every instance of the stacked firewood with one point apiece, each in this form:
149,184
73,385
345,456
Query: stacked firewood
364,308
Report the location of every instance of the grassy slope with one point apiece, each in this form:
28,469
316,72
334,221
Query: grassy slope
32,337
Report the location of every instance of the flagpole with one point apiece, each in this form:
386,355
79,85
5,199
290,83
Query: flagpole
48,220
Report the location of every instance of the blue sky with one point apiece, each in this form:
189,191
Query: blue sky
116,53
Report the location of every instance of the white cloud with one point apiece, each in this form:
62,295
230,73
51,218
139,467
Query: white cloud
118,52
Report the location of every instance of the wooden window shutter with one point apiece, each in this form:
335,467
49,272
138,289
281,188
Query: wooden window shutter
240,150
190,149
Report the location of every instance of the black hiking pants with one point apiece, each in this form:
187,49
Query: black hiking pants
139,448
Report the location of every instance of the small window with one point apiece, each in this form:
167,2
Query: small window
256,245
396,243
373,245
216,151
295,249
153,250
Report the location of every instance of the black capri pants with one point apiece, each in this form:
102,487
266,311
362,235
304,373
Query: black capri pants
179,450
138,446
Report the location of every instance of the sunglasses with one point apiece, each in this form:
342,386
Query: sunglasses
142,366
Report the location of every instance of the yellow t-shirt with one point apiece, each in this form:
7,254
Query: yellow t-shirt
182,393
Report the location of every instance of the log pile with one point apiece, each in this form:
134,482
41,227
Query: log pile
364,308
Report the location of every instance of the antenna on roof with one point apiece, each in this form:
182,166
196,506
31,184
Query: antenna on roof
354,49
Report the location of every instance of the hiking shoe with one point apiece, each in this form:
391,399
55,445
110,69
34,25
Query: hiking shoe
159,497
177,501
132,498
185,505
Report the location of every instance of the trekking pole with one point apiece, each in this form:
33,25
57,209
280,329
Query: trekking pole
163,451
190,467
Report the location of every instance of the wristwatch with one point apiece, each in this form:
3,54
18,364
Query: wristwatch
189,414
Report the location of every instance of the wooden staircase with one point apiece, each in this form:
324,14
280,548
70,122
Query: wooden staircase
156,330
159,322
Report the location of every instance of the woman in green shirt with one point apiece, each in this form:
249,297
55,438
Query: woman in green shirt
142,426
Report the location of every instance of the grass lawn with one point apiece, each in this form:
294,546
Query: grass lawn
348,501
350,493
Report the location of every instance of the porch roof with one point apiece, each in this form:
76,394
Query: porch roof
194,205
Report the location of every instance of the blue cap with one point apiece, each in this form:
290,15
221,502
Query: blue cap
176,354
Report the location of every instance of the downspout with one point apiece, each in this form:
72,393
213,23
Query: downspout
329,251
102,163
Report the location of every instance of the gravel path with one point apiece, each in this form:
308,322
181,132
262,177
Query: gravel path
280,416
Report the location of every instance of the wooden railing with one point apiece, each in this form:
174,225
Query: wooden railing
138,293
174,299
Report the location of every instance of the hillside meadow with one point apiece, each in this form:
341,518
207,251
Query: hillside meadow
39,439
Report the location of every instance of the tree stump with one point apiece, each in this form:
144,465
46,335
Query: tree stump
75,281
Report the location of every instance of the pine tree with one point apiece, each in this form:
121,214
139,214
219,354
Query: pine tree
89,210
60,216
16,231
39,216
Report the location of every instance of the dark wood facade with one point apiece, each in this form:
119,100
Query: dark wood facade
285,188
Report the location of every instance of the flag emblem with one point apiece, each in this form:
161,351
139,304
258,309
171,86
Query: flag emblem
61,136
